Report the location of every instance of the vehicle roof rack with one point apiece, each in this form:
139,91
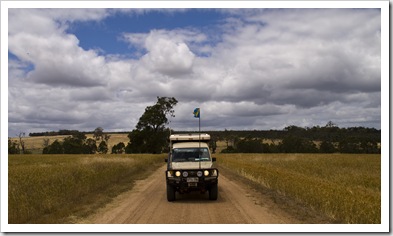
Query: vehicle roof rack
189,137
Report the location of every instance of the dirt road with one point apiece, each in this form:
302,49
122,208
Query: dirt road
146,203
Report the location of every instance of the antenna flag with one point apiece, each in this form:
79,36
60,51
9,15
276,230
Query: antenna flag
197,112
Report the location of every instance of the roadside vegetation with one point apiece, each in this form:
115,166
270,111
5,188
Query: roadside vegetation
59,188
344,187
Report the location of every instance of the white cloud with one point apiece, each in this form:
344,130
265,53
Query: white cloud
36,37
170,52
254,69
168,57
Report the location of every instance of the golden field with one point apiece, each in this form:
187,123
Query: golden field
49,188
344,187
58,188
35,144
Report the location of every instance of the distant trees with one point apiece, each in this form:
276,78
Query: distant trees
293,139
103,147
55,133
15,147
78,143
213,144
327,147
292,144
289,144
90,146
250,145
55,148
118,148
98,133
75,144
150,134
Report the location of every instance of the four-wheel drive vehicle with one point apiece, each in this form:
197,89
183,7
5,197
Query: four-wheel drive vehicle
190,166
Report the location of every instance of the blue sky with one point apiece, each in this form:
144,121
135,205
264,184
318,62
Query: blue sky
245,68
105,34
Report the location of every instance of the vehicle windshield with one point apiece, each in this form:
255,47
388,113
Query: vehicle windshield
190,154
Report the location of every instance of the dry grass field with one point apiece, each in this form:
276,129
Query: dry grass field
344,187
49,188
58,188
35,144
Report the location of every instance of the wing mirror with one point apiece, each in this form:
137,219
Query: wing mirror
166,160
214,159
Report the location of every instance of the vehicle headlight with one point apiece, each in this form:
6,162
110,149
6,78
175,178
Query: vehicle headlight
177,173
185,174
169,174
199,173
206,172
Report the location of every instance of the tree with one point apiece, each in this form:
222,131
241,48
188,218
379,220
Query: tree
45,143
98,133
349,146
293,144
327,147
13,147
252,145
79,136
90,146
229,138
107,137
22,142
154,116
55,148
75,144
150,134
118,148
213,144
330,124
103,147
72,145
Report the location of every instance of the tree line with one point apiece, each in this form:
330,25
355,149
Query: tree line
78,143
293,144
151,136
66,132
293,139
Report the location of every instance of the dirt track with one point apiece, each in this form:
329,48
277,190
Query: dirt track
146,203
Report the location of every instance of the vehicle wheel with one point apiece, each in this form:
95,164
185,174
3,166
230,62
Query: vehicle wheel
213,192
170,193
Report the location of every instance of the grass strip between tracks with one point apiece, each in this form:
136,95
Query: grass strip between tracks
61,188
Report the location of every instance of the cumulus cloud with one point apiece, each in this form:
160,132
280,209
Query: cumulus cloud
167,51
55,55
252,69
301,49
168,57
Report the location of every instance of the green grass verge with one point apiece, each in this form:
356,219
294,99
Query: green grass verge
58,188
344,187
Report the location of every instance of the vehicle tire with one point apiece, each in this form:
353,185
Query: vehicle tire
213,192
170,193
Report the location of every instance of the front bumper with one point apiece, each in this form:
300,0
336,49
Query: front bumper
191,181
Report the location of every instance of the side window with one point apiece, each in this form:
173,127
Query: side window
205,153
